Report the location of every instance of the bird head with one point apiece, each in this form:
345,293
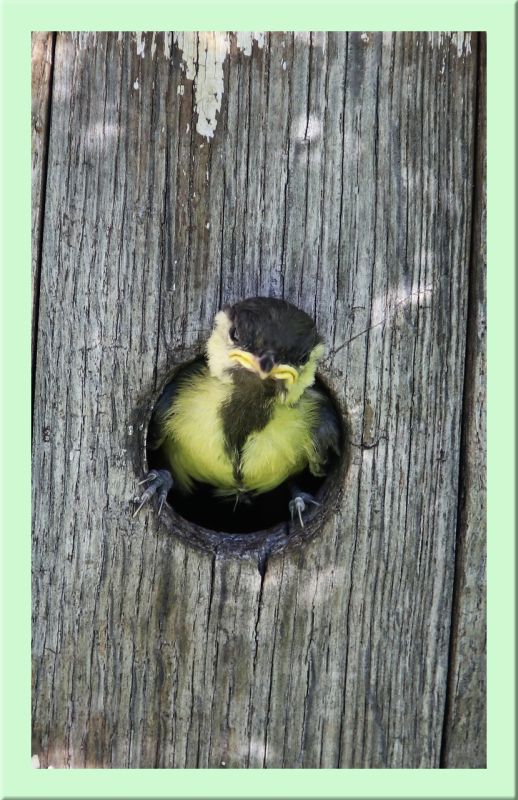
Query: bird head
270,339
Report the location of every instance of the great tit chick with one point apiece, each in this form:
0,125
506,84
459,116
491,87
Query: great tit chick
246,419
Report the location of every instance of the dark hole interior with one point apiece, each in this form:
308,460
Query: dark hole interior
248,515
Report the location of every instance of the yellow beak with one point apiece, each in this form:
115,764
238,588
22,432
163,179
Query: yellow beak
281,372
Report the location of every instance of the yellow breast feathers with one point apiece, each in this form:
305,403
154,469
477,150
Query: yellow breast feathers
196,449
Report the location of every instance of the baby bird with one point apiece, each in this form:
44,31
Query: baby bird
248,418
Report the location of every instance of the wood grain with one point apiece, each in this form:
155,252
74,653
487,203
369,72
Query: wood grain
465,729
339,175
41,73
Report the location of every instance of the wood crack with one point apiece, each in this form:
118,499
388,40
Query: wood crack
471,372
39,201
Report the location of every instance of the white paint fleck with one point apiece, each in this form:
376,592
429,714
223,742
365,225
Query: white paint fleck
119,36
203,56
153,46
174,284
130,430
207,225
364,37
188,128
245,40
459,39
462,42
135,85
141,43
180,89
436,38
35,762
284,65
168,43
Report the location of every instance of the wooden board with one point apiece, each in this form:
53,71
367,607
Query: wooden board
465,729
41,71
335,170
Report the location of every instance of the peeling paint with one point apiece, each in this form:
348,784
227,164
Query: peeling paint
463,43
203,56
141,43
436,38
459,39
245,40
168,44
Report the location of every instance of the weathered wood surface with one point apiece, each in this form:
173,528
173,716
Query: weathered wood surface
41,66
338,172
465,729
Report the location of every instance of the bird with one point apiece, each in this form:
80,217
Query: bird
248,417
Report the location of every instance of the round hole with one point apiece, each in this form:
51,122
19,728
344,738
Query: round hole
261,526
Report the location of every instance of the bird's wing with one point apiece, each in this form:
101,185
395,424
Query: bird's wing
156,431
325,432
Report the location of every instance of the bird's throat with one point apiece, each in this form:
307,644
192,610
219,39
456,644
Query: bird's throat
247,410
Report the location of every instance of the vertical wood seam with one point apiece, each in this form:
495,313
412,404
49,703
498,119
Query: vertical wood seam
43,197
469,376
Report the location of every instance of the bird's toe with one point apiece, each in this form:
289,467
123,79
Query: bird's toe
298,504
159,482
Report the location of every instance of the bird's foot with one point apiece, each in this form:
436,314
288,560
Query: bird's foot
298,504
158,481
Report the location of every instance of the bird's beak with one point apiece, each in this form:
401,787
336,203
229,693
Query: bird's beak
246,360
283,372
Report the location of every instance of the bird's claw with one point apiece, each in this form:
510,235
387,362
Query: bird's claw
298,505
158,480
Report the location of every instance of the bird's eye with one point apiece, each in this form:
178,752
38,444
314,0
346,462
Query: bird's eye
233,334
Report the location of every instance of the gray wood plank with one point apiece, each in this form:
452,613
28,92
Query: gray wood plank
338,173
465,731
41,70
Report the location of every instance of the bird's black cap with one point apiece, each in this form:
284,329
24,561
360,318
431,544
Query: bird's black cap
273,328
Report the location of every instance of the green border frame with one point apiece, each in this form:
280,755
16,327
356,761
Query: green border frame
19,779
